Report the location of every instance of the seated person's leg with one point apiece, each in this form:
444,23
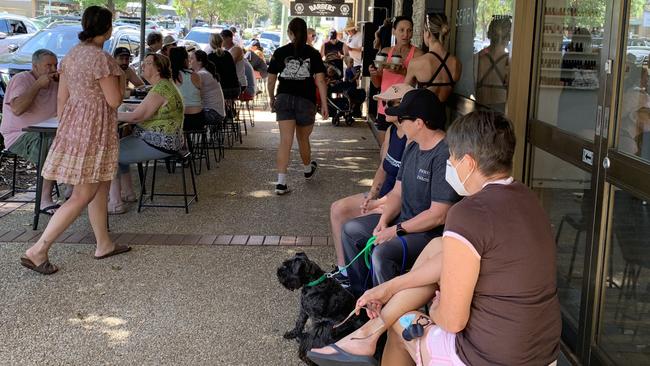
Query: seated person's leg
356,233
363,341
435,344
389,259
27,148
342,211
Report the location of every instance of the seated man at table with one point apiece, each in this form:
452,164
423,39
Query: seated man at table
416,207
30,98
123,57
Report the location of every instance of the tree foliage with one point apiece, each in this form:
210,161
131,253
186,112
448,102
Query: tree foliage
486,9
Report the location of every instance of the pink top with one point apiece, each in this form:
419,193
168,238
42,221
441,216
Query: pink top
42,108
389,77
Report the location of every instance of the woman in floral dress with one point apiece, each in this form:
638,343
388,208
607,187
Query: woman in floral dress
85,150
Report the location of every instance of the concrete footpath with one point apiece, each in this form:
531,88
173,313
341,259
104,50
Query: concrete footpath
179,299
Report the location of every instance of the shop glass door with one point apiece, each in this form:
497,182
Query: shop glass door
623,325
573,82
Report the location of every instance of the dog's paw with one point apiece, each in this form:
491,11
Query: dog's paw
292,334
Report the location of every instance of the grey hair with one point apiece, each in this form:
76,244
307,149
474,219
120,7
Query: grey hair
486,136
38,55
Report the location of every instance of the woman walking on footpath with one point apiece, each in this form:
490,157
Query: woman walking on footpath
296,66
85,150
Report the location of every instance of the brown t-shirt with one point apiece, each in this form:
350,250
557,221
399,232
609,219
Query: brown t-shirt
515,314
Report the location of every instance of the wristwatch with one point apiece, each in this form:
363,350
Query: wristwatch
400,230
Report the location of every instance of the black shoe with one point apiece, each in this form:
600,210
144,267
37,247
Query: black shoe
281,189
314,167
344,281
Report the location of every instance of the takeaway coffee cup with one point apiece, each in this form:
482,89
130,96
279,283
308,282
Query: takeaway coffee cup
396,59
381,57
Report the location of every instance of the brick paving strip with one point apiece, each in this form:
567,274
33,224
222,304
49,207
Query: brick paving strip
86,237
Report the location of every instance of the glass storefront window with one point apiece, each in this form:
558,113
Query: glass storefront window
483,44
634,123
624,328
569,65
565,193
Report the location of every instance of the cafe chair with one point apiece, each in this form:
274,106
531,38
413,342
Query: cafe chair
147,199
13,190
198,143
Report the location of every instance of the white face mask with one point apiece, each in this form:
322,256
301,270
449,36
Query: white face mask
451,176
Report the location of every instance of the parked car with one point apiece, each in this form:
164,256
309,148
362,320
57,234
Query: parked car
272,36
48,19
201,35
150,25
60,37
14,31
171,27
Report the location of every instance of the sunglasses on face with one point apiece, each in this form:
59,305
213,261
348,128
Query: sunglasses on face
390,103
401,119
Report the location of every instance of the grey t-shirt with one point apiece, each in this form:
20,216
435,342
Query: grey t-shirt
423,180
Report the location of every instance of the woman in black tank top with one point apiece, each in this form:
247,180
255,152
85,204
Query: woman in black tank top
493,66
441,78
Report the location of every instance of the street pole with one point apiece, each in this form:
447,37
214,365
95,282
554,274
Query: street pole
283,24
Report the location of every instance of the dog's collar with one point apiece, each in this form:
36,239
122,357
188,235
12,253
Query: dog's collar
317,281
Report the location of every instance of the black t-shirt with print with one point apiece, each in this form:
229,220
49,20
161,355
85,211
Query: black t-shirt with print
296,69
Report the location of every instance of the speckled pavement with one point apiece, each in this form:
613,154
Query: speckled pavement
184,304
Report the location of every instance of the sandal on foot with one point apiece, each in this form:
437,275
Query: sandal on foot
119,249
341,357
117,210
130,198
45,268
50,210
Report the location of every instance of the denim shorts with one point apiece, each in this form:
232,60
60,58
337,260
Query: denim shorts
291,107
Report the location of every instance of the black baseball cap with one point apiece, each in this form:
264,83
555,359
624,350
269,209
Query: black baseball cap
423,104
121,51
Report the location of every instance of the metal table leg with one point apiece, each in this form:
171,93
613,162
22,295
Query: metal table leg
39,181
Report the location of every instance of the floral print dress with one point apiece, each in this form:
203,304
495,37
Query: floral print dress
85,149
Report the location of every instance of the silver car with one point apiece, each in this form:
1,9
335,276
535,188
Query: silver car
14,31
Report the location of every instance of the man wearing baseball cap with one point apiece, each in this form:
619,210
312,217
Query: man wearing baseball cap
415,210
123,57
372,201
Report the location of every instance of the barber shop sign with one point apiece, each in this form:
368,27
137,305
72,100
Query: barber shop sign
322,8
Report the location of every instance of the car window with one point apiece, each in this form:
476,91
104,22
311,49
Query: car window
134,42
57,41
3,26
272,36
16,26
198,37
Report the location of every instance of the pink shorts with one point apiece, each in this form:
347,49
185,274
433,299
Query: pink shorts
440,348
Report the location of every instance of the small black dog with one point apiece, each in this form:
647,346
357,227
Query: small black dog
326,304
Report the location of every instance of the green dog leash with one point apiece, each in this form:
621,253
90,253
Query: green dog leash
366,256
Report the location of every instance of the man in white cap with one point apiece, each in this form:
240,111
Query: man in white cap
354,44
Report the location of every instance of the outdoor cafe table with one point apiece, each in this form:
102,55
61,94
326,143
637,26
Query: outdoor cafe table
48,127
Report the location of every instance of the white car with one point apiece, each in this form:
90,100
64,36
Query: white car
14,31
201,35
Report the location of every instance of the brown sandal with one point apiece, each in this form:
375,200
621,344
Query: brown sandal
45,268
119,249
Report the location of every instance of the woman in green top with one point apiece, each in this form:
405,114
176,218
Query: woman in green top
157,131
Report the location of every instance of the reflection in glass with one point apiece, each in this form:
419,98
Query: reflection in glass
624,329
483,43
493,64
571,44
565,193
634,123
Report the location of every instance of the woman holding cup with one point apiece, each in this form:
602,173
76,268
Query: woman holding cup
393,61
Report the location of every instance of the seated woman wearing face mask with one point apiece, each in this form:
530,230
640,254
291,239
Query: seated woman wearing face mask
490,279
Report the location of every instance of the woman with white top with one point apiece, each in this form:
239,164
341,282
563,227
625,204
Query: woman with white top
211,93
189,84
